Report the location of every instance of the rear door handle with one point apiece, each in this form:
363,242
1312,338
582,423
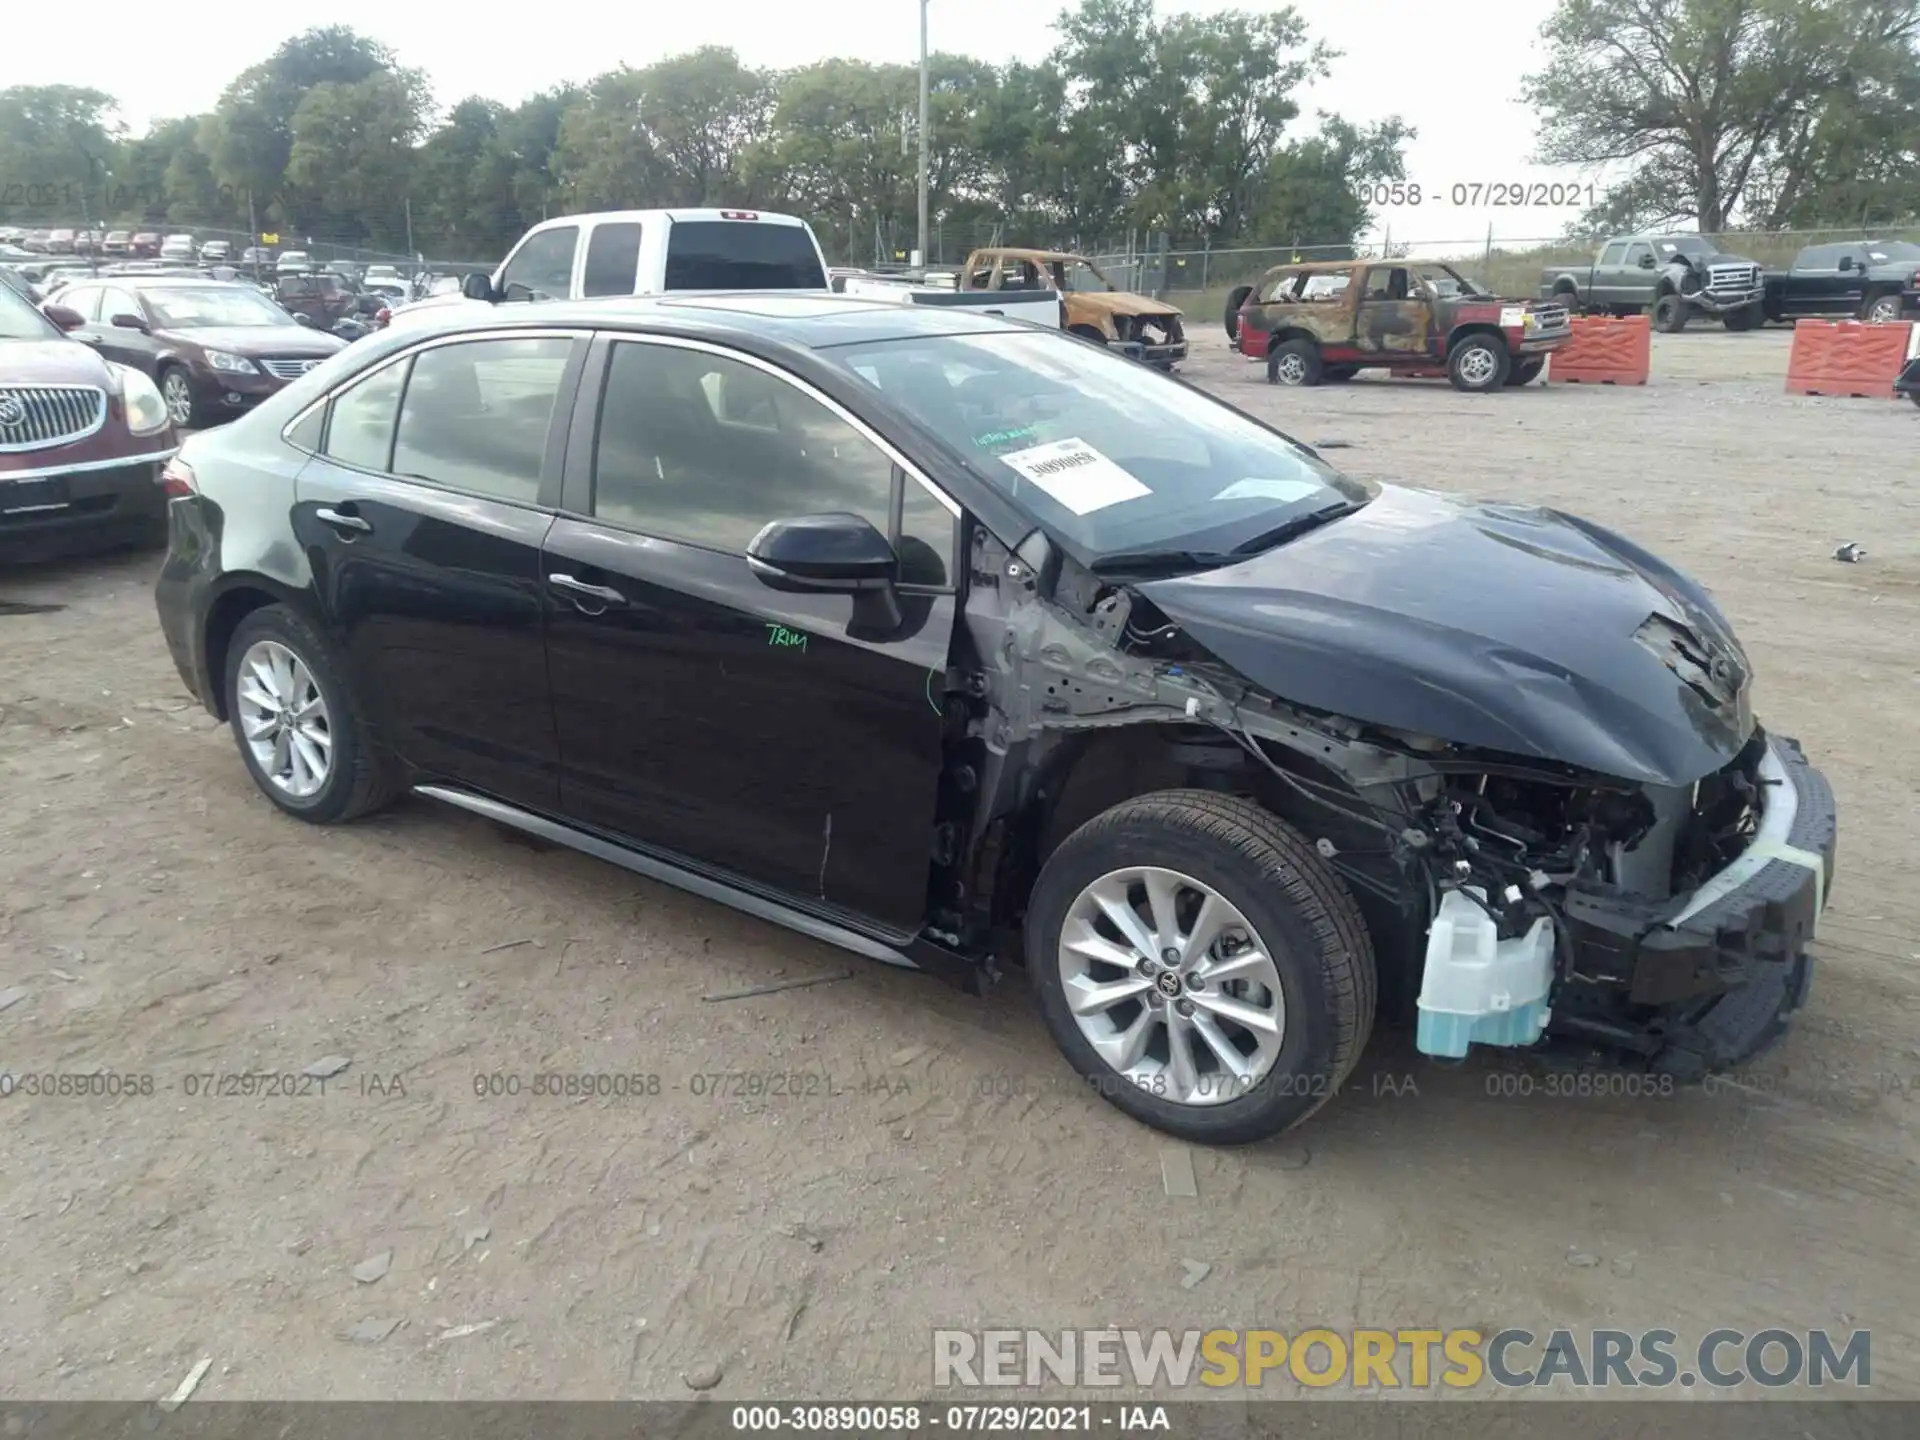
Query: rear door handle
342,520
605,594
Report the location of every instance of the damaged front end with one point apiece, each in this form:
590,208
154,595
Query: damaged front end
1559,817
1155,339
1676,919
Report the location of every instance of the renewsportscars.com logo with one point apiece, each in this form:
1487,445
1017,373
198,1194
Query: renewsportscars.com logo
1399,1359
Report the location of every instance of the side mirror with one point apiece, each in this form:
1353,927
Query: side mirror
1846,262
130,322
65,316
477,286
823,554
1646,262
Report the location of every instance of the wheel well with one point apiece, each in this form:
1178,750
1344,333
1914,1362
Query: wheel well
1468,332
1090,774
1281,337
223,619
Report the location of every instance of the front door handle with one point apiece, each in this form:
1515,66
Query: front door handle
605,594
342,520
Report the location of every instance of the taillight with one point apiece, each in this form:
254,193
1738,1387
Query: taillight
382,316
177,480
738,215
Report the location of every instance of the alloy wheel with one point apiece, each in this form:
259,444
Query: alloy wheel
1477,365
1290,369
178,394
284,719
1171,986
1884,311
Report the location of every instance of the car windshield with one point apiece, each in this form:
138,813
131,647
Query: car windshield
1447,281
215,305
1079,276
1686,245
19,320
1113,458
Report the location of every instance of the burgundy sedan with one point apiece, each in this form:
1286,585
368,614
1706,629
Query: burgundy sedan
82,441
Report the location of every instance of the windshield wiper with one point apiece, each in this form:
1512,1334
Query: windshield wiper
1144,564
1298,525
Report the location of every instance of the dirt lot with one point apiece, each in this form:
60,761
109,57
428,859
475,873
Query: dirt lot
164,921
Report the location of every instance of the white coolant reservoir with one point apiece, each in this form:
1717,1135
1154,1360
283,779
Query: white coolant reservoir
1479,989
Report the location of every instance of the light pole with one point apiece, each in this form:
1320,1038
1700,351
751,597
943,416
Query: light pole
923,257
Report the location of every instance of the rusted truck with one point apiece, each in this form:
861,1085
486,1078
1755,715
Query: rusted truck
1092,307
1331,319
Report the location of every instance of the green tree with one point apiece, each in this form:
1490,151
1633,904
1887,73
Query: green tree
58,144
351,160
252,138
1714,102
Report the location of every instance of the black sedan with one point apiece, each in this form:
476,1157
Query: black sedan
961,644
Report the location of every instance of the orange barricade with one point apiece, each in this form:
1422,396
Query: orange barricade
1605,351
1844,357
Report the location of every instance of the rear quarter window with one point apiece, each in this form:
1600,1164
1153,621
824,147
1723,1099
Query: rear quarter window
742,255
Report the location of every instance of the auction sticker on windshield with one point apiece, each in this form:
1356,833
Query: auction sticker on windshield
1075,474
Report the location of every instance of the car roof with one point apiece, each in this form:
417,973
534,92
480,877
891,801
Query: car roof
810,319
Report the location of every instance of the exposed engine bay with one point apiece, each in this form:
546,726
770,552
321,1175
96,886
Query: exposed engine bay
1515,896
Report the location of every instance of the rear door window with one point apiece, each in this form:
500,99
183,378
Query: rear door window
82,298
476,414
613,260
742,255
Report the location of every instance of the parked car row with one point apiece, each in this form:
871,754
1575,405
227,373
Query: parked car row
1685,277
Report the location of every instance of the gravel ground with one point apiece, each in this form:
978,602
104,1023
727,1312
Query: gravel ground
159,919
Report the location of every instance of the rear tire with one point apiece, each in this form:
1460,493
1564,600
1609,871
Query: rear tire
1295,363
1291,909
301,673
1669,314
1479,364
1882,310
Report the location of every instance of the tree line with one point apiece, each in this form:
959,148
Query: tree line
1140,122
1767,113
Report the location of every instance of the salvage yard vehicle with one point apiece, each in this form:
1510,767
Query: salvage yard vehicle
1139,326
644,252
1677,276
956,643
1877,281
81,440
1330,319
215,349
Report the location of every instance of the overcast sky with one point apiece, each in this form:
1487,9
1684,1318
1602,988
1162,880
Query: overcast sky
1451,68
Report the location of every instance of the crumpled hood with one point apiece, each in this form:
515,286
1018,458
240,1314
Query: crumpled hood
1118,302
1509,628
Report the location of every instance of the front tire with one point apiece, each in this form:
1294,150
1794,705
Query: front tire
1670,314
183,406
1479,364
300,730
1295,363
1198,963
1744,318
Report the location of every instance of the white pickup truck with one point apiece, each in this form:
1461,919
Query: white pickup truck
657,252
